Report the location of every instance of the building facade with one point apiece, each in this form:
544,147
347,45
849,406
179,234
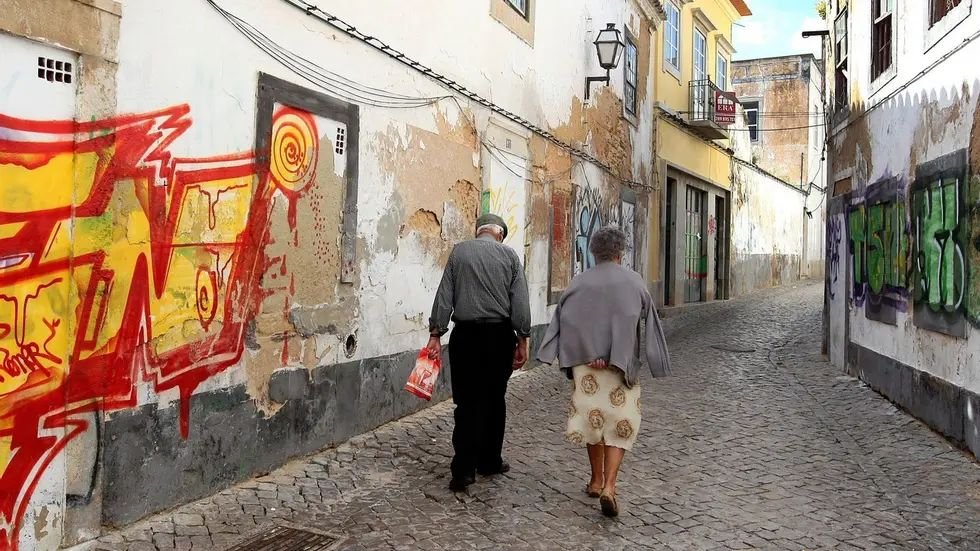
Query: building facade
779,172
783,102
222,223
691,213
903,262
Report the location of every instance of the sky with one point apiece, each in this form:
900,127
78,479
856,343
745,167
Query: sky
774,29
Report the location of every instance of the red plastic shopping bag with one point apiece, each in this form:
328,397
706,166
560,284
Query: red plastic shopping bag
422,381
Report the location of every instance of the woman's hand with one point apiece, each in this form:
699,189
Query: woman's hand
599,364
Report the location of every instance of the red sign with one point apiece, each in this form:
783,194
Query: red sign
724,108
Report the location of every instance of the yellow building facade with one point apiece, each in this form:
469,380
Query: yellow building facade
689,226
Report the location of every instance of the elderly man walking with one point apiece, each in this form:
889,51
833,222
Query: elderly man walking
483,291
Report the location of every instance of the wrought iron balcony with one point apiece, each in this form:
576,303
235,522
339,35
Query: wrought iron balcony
712,110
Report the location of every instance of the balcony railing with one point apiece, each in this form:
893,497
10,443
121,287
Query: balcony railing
703,114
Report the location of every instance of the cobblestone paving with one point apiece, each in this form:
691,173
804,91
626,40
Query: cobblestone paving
755,443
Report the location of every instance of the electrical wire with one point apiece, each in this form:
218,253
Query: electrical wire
315,11
513,168
341,86
775,129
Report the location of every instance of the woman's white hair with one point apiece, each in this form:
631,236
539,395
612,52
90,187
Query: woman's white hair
607,243
490,228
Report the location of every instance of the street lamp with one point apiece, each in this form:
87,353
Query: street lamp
609,47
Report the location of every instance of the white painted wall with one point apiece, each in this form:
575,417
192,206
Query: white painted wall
768,221
771,219
199,59
899,140
183,52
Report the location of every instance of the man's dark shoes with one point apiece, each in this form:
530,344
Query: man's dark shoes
503,468
461,483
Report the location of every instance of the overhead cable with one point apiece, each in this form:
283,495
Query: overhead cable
316,12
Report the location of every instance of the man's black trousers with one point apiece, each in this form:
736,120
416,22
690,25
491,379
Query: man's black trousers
481,357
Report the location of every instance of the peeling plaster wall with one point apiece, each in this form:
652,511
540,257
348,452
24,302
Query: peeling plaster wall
767,231
788,91
270,253
910,297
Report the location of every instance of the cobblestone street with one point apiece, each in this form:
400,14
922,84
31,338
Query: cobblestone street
755,443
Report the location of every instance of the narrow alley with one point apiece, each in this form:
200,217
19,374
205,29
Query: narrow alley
756,442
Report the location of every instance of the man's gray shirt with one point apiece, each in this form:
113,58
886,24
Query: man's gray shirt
483,281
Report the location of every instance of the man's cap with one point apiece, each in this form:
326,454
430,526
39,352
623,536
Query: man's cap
488,219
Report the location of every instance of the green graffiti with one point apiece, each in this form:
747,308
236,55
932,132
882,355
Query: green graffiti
940,269
887,247
858,237
485,202
973,305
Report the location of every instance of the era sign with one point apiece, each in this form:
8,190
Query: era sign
724,108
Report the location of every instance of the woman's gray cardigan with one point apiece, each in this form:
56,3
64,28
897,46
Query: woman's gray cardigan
607,313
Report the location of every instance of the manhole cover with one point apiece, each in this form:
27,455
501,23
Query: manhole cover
281,538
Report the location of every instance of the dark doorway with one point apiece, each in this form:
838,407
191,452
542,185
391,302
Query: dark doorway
721,248
695,257
668,243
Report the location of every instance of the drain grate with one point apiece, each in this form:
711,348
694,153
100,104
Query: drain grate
283,538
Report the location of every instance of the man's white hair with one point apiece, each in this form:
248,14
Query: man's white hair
490,227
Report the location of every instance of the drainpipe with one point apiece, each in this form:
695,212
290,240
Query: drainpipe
824,34
803,256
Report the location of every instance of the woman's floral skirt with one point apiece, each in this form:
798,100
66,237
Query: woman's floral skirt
603,409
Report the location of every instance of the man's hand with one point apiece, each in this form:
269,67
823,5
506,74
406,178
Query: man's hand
520,353
599,364
434,347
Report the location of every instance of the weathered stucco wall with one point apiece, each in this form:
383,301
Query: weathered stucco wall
767,231
902,251
254,250
790,117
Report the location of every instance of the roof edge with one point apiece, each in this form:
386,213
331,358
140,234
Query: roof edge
741,7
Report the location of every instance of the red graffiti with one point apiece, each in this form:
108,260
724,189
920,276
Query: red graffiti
197,240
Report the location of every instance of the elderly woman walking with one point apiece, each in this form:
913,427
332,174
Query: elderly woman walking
604,329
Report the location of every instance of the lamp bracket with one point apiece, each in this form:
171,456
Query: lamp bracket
590,80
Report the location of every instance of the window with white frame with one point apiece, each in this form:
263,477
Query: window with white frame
520,6
721,71
630,76
882,32
700,55
751,109
672,35
841,82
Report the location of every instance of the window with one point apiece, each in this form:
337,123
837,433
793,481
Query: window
938,9
701,100
721,72
630,79
751,109
520,6
881,36
672,36
700,56
841,86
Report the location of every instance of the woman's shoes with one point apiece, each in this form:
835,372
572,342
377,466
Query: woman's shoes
608,504
592,491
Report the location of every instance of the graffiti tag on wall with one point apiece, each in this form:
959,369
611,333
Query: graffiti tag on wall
593,213
915,247
878,241
835,234
121,264
940,227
